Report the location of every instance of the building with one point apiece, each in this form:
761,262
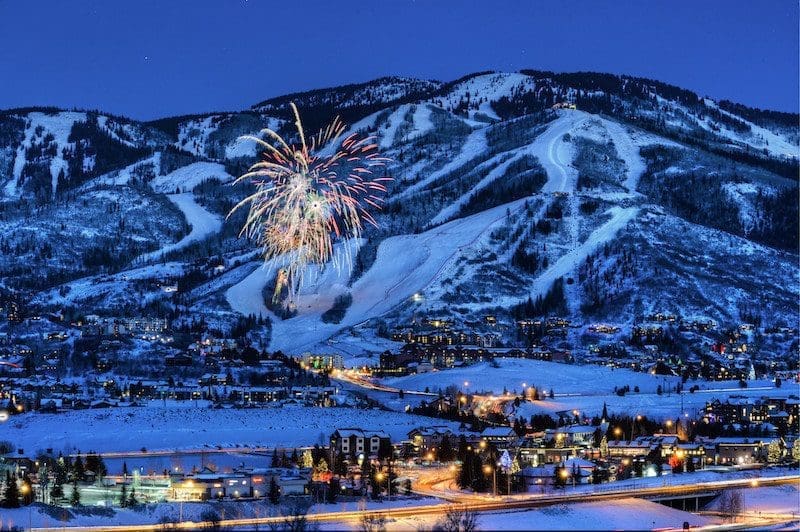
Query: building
353,442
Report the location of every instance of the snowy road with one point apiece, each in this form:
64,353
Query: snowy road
202,222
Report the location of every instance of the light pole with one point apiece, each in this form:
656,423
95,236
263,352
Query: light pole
489,469
25,489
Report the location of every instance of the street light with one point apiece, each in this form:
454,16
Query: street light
489,469
25,489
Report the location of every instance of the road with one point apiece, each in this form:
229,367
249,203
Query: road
477,503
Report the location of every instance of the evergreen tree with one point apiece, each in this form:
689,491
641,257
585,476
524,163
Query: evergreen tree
333,491
132,500
445,450
57,491
78,469
123,496
275,462
11,494
75,496
274,493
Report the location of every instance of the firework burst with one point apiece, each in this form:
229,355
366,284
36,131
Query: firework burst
308,195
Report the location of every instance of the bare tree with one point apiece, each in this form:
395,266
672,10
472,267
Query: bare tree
731,504
458,519
372,523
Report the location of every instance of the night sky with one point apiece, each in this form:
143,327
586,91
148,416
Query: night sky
152,58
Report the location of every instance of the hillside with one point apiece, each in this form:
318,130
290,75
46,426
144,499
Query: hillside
644,198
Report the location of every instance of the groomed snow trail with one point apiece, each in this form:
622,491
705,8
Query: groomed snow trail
203,224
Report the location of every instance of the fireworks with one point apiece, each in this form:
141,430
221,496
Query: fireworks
307,198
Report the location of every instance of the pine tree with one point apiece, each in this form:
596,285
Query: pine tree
132,500
75,497
123,496
275,462
274,493
78,470
11,495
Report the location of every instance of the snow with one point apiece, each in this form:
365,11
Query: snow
123,176
490,87
405,265
108,286
740,193
422,121
772,499
187,177
628,151
567,263
246,147
666,405
185,426
103,123
618,514
388,132
511,373
202,222
245,297
453,208
60,126
193,135
473,146
764,138
555,155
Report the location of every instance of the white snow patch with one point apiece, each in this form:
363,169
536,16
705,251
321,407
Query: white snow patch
202,222
187,177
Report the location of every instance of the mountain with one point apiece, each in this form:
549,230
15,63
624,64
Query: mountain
584,196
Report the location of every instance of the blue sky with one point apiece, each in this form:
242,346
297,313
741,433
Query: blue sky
149,58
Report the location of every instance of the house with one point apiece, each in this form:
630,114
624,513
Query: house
499,436
353,442
537,478
741,450
427,438
578,435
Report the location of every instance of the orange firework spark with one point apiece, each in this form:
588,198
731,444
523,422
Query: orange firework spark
305,199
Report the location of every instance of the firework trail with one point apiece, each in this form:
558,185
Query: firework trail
305,200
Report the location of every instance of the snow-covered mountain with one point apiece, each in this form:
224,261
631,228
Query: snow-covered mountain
587,196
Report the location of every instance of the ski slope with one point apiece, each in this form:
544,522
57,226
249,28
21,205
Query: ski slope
405,265
59,125
187,177
202,222
474,145
568,262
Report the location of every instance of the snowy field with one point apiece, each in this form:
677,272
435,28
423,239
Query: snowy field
511,373
772,499
585,388
188,427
